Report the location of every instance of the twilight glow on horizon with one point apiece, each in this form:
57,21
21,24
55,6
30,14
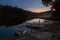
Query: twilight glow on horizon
31,5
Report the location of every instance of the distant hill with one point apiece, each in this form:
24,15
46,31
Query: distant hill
44,15
13,15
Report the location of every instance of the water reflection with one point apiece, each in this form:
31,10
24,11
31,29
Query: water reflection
37,20
22,28
34,23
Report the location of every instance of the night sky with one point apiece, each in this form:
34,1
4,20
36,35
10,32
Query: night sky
31,5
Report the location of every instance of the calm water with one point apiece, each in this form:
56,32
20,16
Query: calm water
10,31
34,23
7,31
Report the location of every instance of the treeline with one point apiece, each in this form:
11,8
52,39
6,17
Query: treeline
12,15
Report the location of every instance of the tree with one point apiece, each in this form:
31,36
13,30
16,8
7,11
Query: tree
47,2
55,28
55,5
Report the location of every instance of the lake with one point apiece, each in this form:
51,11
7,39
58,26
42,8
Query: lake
34,23
10,31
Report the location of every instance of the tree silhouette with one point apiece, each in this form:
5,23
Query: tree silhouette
55,28
47,2
55,5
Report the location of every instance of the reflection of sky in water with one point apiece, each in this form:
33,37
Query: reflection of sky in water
37,20
34,22
10,31
23,28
